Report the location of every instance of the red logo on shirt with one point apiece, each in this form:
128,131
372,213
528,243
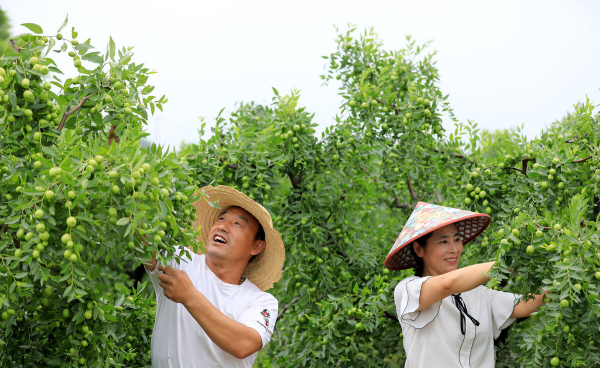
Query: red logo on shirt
266,315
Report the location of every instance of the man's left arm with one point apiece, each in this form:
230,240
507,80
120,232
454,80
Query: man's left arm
233,337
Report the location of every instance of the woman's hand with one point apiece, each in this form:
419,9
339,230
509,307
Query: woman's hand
525,309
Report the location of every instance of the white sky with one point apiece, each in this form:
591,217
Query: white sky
504,63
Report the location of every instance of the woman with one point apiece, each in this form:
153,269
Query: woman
448,318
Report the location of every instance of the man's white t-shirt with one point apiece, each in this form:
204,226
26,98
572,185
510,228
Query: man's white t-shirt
179,341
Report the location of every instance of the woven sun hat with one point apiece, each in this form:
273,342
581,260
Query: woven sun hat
266,267
427,218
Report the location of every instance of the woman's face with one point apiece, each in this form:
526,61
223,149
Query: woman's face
442,252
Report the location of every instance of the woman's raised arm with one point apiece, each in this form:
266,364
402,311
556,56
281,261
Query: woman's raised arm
453,282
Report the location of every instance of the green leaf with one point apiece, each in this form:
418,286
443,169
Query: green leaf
96,272
64,23
68,290
50,46
83,47
33,27
125,59
32,192
112,47
12,97
143,207
123,221
49,151
119,301
94,57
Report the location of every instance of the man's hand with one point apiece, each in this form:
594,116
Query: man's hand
176,284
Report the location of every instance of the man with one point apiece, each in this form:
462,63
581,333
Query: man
212,311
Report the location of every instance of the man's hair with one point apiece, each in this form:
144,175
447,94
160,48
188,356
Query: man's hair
260,233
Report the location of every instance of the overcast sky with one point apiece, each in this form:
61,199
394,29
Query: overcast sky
503,63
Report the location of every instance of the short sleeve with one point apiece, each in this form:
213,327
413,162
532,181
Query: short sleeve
261,316
503,305
407,297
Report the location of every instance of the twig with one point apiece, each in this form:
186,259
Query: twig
596,206
68,113
392,211
543,227
233,166
391,316
410,188
455,154
279,335
519,170
383,103
581,160
111,135
294,301
296,181
14,45
438,196
398,203
524,163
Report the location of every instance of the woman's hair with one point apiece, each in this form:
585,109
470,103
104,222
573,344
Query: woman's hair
423,243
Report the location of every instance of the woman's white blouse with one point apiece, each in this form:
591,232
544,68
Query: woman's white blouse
433,338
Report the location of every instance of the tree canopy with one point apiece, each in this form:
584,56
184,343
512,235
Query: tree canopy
81,203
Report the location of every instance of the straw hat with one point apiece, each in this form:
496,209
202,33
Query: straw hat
266,267
425,219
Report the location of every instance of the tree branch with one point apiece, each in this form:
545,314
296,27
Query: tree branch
524,164
455,154
519,170
279,335
543,227
438,196
233,166
296,181
14,45
410,188
392,211
390,316
294,301
581,160
398,203
111,135
68,113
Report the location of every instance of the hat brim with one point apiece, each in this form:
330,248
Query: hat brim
402,258
266,268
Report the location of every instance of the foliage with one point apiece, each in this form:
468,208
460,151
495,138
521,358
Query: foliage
4,25
339,201
80,204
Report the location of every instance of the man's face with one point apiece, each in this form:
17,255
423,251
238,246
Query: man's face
232,236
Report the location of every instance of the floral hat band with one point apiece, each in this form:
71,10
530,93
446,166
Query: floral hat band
427,218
